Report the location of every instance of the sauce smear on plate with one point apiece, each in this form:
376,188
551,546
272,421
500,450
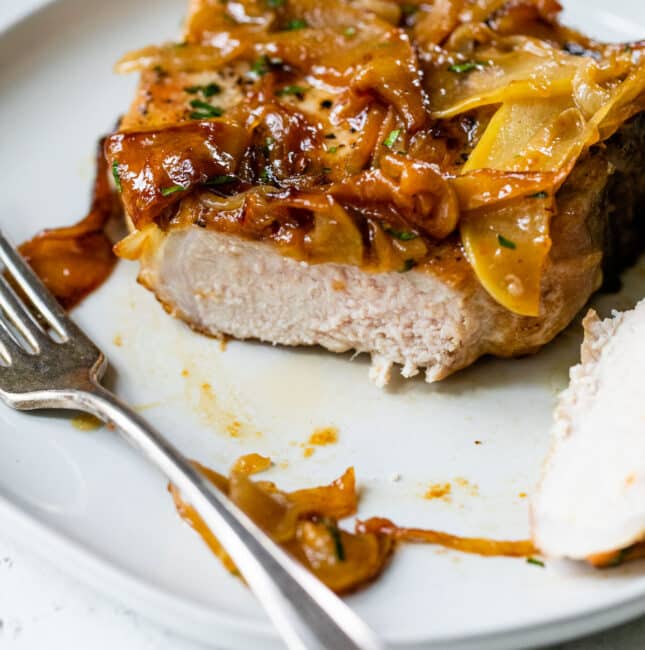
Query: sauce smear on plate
305,524
75,260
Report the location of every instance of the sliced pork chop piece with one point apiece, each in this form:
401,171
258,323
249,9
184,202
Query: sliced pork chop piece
591,499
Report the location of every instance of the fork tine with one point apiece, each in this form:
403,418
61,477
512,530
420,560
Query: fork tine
9,346
35,290
19,316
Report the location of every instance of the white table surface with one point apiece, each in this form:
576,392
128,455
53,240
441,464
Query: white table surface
40,608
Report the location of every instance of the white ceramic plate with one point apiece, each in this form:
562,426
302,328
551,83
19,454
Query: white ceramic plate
86,502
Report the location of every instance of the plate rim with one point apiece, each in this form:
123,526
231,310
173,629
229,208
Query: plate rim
24,17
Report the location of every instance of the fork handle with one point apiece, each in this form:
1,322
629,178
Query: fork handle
307,614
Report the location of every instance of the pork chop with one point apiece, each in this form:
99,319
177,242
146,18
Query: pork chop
426,185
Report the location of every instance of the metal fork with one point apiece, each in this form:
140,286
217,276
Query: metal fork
50,363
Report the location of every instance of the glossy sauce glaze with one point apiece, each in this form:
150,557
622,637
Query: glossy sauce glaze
373,132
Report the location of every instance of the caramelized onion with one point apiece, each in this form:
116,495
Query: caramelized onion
353,129
334,237
153,169
175,57
305,523
476,545
336,500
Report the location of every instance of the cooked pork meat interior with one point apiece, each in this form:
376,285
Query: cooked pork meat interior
591,500
425,182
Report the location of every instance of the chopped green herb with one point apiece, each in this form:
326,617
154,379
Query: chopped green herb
621,556
160,71
408,265
220,180
506,243
330,136
200,115
402,235
326,170
201,105
204,110
295,24
326,103
409,9
268,144
333,149
117,178
336,538
534,560
266,176
211,89
274,4
167,191
392,137
298,91
207,91
261,66
350,31
264,64
467,66
539,195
